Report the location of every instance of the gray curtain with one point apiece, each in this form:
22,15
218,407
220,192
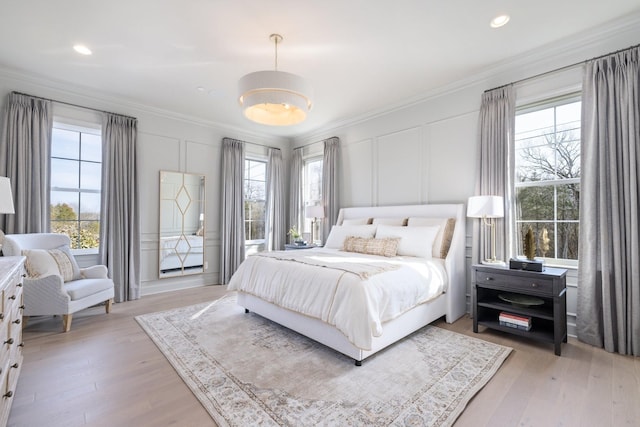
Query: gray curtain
495,170
608,312
24,158
232,226
275,228
330,185
296,196
120,217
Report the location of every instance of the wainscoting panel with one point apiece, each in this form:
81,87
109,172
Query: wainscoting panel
356,173
398,167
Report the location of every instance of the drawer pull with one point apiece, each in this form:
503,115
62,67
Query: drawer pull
534,285
21,344
9,341
12,297
8,394
21,307
17,321
489,278
24,274
15,365
19,285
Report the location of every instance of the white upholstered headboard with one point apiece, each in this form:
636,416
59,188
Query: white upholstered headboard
455,261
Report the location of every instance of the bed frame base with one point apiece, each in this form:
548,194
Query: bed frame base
328,335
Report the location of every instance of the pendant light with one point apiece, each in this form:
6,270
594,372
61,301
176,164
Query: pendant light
274,98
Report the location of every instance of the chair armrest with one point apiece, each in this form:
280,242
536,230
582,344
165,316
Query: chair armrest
45,296
94,272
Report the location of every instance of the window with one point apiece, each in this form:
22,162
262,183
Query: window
255,176
76,180
547,153
312,183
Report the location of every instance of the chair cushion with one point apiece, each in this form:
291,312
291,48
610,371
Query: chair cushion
78,289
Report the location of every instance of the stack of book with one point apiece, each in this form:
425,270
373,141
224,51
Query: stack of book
515,321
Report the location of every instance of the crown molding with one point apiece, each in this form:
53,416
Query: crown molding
577,48
98,100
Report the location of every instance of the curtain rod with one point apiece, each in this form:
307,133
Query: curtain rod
316,142
566,67
72,104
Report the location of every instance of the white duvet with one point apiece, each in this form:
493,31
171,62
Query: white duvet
357,296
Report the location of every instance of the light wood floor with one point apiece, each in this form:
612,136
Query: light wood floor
107,372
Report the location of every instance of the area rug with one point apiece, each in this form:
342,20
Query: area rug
247,370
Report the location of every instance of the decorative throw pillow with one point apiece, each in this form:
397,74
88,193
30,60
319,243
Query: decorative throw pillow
414,241
442,242
47,262
356,221
40,263
390,221
339,233
384,247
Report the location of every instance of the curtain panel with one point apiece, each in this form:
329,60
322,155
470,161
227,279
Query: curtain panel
608,311
120,210
330,185
495,171
296,197
232,217
275,228
24,159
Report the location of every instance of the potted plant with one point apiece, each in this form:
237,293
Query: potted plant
295,236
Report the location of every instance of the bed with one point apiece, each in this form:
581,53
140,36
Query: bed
281,286
181,252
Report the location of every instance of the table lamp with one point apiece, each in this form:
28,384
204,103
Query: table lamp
6,201
487,208
317,213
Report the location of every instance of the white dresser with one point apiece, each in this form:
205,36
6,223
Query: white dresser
11,275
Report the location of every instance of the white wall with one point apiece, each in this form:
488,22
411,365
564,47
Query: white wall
427,152
165,142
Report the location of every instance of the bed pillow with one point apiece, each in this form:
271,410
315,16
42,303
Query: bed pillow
356,221
390,221
442,242
339,233
47,262
414,241
384,247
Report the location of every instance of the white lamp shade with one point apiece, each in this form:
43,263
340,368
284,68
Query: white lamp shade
485,207
274,98
6,197
316,211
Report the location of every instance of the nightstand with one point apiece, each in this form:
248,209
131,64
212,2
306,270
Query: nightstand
294,247
540,296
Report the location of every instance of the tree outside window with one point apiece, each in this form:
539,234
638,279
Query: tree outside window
547,152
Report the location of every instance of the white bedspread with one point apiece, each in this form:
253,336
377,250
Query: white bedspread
356,307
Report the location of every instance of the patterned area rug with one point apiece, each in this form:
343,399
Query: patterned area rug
247,370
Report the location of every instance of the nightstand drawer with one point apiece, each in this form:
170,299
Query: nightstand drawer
515,283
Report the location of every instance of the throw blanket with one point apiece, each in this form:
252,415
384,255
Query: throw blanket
357,307
344,261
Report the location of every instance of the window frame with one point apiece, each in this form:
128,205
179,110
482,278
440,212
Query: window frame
547,103
265,161
306,187
87,128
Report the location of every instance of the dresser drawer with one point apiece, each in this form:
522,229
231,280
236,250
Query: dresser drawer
540,285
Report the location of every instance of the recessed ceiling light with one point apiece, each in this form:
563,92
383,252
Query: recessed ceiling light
82,49
499,21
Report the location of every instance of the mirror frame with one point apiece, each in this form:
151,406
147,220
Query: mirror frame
181,239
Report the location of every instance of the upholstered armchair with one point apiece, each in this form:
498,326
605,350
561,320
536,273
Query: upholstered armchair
55,285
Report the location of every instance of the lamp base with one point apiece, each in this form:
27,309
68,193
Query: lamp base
495,263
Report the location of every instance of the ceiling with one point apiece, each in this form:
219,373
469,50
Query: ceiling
360,56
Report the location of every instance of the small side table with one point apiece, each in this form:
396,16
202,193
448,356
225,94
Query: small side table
548,317
294,247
